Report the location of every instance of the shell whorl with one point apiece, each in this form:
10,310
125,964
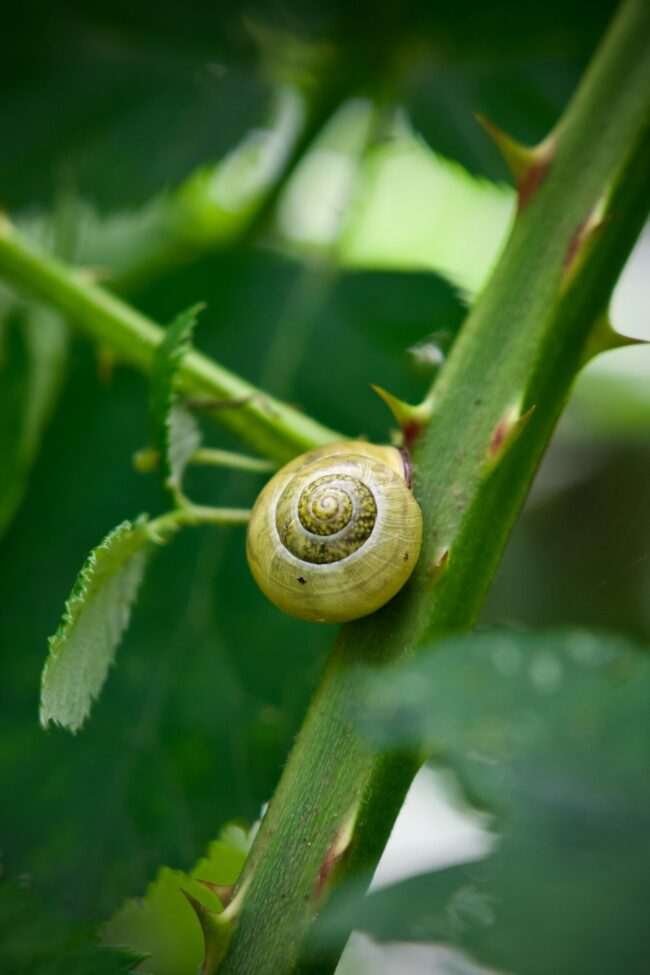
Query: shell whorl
330,519
335,533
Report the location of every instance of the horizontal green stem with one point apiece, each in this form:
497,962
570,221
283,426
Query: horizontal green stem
272,428
212,457
189,515
520,348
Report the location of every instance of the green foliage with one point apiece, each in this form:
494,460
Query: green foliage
195,724
175,435
32,355
39,939
95,617
550,733
163,926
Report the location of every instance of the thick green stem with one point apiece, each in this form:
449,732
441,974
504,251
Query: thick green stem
270,427
495,406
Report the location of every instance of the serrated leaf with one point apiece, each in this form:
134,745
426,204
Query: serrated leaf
551,733
163,926
184,437
174,433
95,617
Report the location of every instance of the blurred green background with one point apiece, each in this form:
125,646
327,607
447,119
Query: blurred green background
314,172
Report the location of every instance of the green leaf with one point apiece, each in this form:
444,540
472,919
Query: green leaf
38,939
33,345
408,209
551,732
176,718
95,617
163,926
175,434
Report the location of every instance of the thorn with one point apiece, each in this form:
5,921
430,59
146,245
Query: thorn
506,432
411,419
528,164
217,932
583,239
339,847
439,564
604,338
223,891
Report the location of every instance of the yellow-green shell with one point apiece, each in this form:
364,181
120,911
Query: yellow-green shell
336,533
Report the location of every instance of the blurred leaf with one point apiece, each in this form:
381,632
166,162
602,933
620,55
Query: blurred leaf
551,732
163,927
32,356
38,939
210,208
175,435
118,107
96,615
409,209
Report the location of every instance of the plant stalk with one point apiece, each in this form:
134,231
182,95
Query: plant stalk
495,405
268,426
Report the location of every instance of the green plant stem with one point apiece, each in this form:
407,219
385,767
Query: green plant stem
212,457
272,428
521,347
193,516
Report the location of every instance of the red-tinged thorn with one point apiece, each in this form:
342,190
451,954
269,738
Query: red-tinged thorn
499,436
531,182
325,871
528,164
508,428
411,431
223,891
584,236
411,419
335,854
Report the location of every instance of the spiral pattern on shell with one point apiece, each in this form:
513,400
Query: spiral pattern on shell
336,533
335,516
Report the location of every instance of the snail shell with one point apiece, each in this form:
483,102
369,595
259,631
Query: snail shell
336,533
